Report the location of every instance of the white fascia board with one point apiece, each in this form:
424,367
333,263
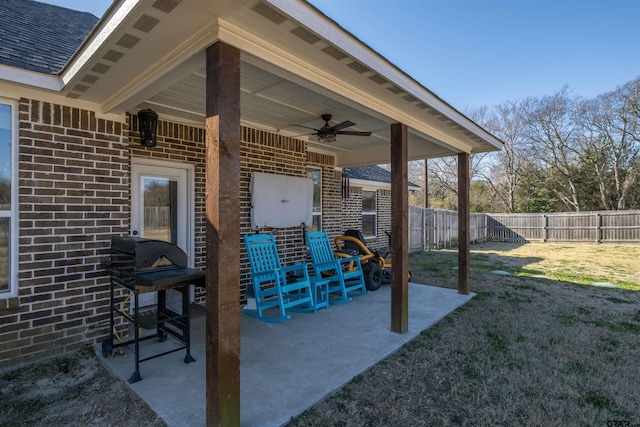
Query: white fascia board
365,183
14,91
30,78
272,54
315,20
107,26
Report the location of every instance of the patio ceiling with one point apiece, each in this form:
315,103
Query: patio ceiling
297,64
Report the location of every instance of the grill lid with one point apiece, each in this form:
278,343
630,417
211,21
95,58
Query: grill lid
150,254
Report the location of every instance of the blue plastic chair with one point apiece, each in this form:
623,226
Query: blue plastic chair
273,288
343,272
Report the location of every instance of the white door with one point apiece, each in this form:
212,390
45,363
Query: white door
162,206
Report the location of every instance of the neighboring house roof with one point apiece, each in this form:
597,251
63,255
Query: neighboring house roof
375,174
41,37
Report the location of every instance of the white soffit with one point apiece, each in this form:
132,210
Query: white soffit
319,23
306,74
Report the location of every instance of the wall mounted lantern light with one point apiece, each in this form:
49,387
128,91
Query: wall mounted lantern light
148,125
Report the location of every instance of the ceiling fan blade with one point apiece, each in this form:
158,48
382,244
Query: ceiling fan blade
306,127
353,132
302,134
343,125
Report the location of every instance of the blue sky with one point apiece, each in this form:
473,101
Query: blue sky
485,52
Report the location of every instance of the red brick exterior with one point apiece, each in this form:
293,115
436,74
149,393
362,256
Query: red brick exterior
352,215
73,196
384,220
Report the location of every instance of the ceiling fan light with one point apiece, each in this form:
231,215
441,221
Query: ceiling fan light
330,138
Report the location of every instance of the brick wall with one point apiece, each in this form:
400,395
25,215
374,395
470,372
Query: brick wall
73,196
384,220
352,210
352,215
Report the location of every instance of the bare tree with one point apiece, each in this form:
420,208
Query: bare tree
504,169
443,178
553,134
612,142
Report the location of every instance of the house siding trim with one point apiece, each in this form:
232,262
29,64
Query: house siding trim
9,297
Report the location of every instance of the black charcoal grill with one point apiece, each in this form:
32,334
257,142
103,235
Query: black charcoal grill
145,265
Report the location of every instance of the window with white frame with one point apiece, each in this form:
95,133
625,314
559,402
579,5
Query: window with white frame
369,213
316,176
8,131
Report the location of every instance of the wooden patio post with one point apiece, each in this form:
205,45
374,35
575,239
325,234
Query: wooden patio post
399,227
464,253
223,235
426,184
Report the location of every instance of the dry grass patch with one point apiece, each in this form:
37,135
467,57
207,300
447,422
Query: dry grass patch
83,394
524,351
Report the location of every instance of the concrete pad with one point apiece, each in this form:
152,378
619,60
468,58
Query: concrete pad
290,366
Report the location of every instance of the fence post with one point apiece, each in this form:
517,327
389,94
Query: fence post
598,227
436,237
545,227
425,245
487,231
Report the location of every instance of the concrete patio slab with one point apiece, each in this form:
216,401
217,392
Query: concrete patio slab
286,367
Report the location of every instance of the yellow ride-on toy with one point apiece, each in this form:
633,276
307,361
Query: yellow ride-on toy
376,264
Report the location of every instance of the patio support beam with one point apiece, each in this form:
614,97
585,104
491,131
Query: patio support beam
464,253
426,183
399,227
223,235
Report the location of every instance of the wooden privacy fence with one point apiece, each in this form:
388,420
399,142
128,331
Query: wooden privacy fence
437,228
157,216
603,226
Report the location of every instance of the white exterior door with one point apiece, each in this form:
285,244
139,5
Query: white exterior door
162,206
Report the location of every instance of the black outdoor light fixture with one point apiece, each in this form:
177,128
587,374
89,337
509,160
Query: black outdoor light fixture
148,126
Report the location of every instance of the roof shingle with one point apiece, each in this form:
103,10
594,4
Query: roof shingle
370,173
41,37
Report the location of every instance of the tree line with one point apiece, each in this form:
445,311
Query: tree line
561,153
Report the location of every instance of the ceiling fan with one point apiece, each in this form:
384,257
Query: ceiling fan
327,133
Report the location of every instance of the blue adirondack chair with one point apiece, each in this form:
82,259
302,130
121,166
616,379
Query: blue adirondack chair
343,272
272,288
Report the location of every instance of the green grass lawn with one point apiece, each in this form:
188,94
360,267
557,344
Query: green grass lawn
548,344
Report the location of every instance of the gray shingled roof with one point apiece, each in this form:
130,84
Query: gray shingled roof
370,173
41,37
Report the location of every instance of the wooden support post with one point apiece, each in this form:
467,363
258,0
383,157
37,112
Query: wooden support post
399,227
464,252
425,243
426,184
223,235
